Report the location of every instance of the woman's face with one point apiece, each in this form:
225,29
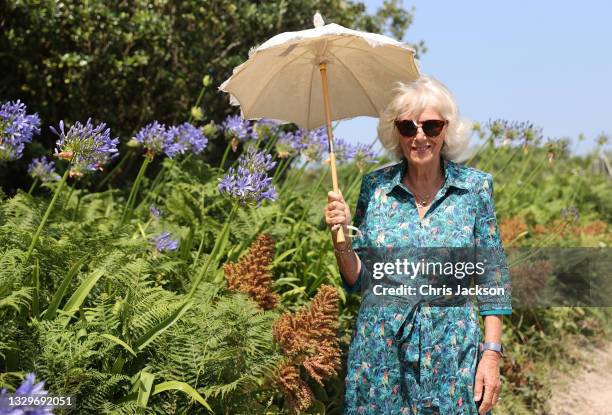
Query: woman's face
420,149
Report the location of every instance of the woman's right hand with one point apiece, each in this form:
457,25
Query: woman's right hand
337,213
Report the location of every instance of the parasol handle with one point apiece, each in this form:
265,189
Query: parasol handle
330,140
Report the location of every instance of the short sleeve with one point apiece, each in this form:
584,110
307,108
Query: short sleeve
496,294
358,243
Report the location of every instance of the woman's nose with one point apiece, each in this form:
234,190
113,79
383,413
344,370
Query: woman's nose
420,135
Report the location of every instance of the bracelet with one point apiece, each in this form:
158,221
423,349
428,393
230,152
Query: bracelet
348,249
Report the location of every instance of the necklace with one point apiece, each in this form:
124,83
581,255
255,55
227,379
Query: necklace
423,200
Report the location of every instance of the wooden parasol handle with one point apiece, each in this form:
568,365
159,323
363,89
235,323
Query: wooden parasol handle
330,140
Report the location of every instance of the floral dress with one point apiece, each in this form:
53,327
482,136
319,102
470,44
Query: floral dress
421,359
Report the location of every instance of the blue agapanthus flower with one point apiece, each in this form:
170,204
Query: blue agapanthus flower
264,127
249,183
43,169
511,131
88,147
268,123
16,129
28,387
315,144
290,144
155,211
363,155
185,138
164,242
237,127
153,137
344,150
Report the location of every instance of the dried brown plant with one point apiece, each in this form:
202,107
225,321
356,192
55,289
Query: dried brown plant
529,280
308,338
298,395
510,229
251,275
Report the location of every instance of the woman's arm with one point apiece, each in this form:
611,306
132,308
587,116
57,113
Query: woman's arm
489,246
337,213
487,374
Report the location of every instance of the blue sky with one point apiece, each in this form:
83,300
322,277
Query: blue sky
543,61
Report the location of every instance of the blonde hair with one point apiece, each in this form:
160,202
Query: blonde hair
412,99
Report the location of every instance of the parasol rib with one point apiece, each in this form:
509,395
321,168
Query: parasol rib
310,96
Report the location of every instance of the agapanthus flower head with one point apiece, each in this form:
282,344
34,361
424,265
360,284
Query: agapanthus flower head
155,211
363,154
265,127
290,144
184,138
16,129
164,242
254,160
249,183
43,169
28,387
512,131
344,150
237,127
315,142
153,137
88,146
570,214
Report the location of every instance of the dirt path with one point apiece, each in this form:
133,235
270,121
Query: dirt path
589,390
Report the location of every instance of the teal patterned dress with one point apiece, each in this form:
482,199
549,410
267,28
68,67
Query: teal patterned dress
421,359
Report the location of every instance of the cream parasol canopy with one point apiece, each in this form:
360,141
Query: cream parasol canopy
315,76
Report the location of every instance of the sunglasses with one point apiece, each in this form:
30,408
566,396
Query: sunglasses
431,128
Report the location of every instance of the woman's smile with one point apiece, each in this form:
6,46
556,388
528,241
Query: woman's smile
421,150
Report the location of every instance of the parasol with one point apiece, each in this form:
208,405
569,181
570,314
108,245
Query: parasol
315,76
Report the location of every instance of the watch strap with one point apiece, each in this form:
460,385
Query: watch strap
496,347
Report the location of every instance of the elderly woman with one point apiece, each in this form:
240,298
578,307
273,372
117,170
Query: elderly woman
423,358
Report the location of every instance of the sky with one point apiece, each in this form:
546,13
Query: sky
546,62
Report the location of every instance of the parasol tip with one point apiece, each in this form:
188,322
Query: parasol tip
318,20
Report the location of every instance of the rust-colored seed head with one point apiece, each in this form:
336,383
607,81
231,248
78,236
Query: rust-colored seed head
298,396
251,275
309,339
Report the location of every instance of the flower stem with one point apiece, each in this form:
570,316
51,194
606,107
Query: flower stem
47,213
197,104
69,196
271,143
281,167
216,251
290,181
34,183
127,211
155,188
225,154
114,171
76,209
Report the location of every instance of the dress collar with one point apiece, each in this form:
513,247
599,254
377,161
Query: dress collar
452,176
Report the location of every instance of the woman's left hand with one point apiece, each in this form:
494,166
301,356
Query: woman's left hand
487,376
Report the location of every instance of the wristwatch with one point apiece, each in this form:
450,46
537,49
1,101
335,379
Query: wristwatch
496,347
